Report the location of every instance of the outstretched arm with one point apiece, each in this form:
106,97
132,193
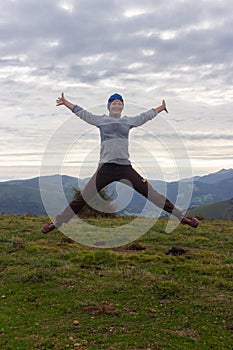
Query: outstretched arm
161,108
63,101
79,111
148,115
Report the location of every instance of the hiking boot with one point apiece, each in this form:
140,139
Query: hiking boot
193,222
48,228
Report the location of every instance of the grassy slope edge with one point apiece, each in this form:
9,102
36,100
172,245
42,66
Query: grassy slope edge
57,294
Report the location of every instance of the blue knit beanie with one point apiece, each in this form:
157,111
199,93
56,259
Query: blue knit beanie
115,97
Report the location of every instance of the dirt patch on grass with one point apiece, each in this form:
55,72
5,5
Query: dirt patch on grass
175,251
103,309
133,246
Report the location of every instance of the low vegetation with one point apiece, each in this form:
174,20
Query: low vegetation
165,291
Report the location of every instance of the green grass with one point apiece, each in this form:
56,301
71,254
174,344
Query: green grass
60,295
219,210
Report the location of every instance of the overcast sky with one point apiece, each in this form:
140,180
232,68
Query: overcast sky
146,50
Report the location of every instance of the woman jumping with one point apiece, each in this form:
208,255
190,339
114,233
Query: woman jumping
114,163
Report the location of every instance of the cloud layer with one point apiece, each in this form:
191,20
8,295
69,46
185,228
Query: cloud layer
180,50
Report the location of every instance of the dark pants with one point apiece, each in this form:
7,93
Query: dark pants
108,173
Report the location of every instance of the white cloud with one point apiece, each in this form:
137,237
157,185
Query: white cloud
134,12
67,6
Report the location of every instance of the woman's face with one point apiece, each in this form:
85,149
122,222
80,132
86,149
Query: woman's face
116,107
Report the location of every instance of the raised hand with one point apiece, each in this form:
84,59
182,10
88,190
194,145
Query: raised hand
63,101
164,106
60,100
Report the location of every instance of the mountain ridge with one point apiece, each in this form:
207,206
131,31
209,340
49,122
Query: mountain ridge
23,196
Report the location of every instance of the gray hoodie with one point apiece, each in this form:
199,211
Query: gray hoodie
114,133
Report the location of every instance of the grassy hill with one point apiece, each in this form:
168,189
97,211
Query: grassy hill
24,196
220,210
57,294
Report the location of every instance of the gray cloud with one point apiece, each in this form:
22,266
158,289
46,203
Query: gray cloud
177,32
180,50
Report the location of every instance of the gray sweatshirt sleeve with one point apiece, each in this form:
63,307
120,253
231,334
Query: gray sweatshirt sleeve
142,118
87,116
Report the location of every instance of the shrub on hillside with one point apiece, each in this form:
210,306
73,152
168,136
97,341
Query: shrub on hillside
89,211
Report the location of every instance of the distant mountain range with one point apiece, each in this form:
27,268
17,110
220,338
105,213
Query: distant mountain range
23,196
